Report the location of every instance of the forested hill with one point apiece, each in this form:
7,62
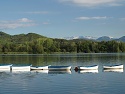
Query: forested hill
21,38
33,43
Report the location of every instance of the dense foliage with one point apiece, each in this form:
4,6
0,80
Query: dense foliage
32,43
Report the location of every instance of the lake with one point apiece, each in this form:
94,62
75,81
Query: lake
63,82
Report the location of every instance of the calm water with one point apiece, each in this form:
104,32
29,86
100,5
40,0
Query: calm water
62,82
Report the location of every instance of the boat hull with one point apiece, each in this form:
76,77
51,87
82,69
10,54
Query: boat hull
95,67
113,67
59,68
5,67
40,68
20,68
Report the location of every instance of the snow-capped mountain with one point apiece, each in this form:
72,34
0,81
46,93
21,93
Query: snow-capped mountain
103,38
70,38
80,37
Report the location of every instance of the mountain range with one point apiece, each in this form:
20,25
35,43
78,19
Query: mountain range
4,37
103,38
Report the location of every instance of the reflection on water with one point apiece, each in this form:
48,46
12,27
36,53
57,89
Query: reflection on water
4,74
113,70
4,70
51,72
87,71
60,72
60,82
63,59
40,71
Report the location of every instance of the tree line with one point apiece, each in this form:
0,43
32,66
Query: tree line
45,45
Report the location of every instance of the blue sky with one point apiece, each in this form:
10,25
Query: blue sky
63,18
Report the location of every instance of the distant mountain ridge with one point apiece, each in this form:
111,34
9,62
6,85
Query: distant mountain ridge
4,37
122,39
103,38
80,37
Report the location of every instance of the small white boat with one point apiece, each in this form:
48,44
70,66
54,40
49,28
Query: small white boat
21,68
59,68
40,68
114,67
5,67
93,67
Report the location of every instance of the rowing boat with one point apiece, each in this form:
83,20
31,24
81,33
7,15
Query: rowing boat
40,68
120,66
5,67
93,67
21,68
59,68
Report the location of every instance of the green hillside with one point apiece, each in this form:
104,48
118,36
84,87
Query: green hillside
21,38
33,43
4,37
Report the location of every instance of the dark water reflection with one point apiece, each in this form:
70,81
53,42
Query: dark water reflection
61,82
63,59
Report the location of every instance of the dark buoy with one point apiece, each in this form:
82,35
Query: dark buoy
76,69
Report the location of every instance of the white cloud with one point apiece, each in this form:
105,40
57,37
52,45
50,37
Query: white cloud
24,22
91,18
93,3
83,18
37,12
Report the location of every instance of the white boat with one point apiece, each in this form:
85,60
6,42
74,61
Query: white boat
93,67
59,68
114,67
40,68
5,67
21,68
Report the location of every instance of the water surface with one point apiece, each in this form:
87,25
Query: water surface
61,82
